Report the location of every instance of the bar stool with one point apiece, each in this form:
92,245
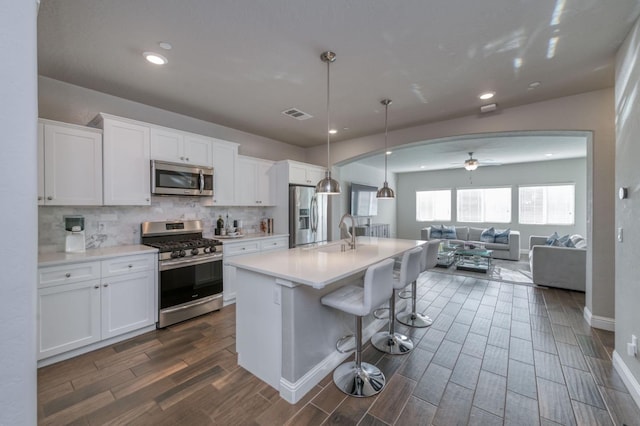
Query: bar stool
357,378
413,318
390,341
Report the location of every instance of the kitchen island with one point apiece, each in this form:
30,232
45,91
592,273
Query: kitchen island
284,335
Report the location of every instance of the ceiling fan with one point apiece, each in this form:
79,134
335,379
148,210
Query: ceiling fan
472,163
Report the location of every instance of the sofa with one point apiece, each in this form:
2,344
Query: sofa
466,234
557,266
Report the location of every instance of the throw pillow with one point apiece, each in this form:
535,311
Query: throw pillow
502,237
562,241
449,232
578,241
488,235
552,239
436,232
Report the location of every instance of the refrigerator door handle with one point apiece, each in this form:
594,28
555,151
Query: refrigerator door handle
314,214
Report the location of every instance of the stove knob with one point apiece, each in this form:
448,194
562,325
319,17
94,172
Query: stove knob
175,254
195,251
183,253
206,250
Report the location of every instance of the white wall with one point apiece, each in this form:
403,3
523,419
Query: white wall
628,211
592,111
546,172
74,104
358,173
18,252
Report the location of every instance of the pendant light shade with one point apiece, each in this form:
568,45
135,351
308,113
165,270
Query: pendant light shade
328,185
385,191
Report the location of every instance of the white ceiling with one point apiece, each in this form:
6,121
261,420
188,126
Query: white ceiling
240,63
493,150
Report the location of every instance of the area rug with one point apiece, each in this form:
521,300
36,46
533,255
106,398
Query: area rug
509,271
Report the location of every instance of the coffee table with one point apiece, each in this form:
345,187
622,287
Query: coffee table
475,260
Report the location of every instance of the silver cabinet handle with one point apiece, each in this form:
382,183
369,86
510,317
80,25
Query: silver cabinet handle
130,266
182,158
68,274
96,286
40,198
146,199
187,158
49,198
105,285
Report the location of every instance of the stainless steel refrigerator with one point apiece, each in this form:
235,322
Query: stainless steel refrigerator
307,216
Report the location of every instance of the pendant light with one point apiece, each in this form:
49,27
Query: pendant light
385,191
327,185
471,163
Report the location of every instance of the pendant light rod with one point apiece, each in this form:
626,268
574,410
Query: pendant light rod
385,191
328,185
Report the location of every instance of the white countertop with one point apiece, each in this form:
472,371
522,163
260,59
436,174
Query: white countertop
324,264
247,237
60,258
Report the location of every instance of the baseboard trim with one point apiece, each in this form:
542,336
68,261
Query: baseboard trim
595,321
627,377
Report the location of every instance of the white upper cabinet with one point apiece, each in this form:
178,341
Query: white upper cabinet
254,181
126,157
180,147
69,165
305,174
224,172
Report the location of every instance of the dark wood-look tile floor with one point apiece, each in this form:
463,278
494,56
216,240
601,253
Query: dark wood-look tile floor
497,353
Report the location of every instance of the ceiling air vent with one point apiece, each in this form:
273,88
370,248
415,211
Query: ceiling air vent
296,113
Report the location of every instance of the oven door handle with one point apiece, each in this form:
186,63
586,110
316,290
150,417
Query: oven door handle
188,262
191,304
201,181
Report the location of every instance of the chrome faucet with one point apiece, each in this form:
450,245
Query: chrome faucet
351,236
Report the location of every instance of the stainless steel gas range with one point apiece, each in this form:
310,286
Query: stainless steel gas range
189,269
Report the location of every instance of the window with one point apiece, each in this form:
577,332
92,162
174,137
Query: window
433,205
547,205
484,205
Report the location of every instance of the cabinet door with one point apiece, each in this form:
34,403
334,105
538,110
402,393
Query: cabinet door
166,145
127,303
246,178
229,283
126,164
224,172
72,166
264,183
315,174
298,174
40,164
197,150
68,317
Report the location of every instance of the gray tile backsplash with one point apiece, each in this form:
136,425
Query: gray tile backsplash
107,226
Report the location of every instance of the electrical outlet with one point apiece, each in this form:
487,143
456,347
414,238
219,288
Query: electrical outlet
632,348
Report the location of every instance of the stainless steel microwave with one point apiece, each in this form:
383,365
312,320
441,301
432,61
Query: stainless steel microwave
180,179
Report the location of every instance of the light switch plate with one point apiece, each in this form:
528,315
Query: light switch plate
620,235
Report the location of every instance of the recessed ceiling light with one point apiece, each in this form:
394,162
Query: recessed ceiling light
534,84
422,167
388,152
548,155
155,58
487,95
165,45
333,131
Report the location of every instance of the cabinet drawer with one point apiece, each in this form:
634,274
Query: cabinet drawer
274,243
66,274
128,264
244,248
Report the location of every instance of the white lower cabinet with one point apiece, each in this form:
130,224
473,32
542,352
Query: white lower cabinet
239,248
84,303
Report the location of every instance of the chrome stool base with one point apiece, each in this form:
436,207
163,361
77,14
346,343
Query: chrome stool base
394,344
414,319
361,382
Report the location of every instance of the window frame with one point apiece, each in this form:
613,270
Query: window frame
435,219
485,219
546,185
